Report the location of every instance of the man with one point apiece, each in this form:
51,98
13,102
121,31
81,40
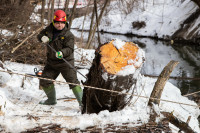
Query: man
61,39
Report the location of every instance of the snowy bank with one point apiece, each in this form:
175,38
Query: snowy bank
22,111
155,18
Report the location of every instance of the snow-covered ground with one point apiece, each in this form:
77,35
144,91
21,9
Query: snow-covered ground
162,18
19,97
5,32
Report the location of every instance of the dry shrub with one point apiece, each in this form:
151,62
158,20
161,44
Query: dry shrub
126,6
14,13
138,25
14,16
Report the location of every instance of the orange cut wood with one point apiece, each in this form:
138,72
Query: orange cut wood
113,59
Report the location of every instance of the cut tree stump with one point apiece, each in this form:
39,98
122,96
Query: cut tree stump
115,68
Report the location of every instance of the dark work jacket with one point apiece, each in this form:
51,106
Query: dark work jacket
63,42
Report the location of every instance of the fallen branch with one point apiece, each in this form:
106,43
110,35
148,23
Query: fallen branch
45,128
34,32
67,98
156,95
161,81
183,126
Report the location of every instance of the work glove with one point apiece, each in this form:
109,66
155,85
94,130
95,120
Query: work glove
59,55
45,39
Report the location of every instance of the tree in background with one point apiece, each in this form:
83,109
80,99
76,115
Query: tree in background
98,19
72,14
66,6
52,9
42,12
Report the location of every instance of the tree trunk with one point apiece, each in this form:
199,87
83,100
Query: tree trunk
72,14
90,32
42,12
66,6
99,19
84,23
58,4
108,63
52,10
49,13
160,83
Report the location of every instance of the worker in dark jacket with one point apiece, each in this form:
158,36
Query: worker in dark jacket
62,40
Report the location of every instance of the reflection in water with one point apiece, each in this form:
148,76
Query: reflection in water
191,54
159,54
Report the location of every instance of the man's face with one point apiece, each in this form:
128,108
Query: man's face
59,25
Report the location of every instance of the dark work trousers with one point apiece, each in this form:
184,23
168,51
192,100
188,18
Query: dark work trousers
52,72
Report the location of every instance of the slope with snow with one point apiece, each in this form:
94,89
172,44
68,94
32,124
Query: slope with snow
162,18
20,96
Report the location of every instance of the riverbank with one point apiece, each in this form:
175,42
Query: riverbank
164,20
174,41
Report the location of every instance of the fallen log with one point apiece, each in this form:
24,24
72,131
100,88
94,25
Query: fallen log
183,126
115,67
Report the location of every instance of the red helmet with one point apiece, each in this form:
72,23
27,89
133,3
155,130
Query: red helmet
60,15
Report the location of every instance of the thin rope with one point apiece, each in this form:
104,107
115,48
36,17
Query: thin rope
97,88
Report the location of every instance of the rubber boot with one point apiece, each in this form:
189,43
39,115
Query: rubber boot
78,92
51,95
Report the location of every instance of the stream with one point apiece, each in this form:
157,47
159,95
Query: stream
158,54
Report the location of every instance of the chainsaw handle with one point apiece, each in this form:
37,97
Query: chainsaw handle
38,72
35,70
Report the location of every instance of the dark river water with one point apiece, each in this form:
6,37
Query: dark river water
158,54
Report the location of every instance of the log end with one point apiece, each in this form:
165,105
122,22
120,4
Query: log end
117,55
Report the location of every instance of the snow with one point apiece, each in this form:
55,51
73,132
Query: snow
129,69
118,43
5,32
35,17
20,96
84,57
162,17
174,128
